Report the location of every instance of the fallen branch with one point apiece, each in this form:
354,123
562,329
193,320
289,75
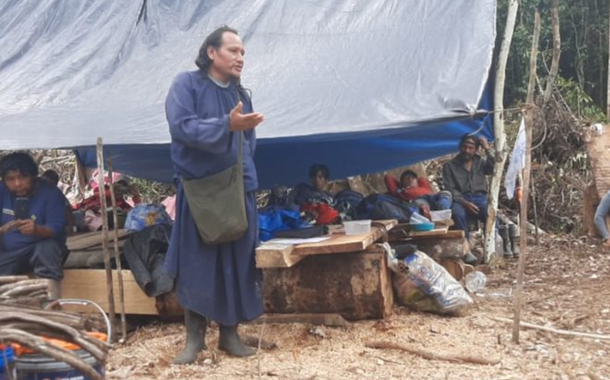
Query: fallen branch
555,331
431,355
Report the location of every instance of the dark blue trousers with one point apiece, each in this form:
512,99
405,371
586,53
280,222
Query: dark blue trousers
461,216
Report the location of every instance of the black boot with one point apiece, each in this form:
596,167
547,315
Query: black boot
232,344
503,231
513,233
195,337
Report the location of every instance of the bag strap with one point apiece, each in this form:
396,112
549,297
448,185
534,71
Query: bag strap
241,135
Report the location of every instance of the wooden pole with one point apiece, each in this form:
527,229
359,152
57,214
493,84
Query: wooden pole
500,135
556,53
117,255
107,265
529,119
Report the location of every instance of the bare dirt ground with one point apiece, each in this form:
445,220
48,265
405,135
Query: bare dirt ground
567,286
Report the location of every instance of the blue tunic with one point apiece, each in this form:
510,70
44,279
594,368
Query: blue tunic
47,208
221,281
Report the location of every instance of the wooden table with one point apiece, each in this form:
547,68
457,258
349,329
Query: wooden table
345,275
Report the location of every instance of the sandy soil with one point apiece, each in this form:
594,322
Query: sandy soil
567,286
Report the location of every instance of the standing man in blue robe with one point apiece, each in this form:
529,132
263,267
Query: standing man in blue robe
207,109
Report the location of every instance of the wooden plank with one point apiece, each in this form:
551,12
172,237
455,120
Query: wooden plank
90,284
340,243
274,255
354,285
451,234
389,223
325,319
439,231
90,239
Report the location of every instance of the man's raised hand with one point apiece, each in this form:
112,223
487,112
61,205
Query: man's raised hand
243,122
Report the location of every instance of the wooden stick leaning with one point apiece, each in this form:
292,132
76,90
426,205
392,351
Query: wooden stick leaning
431,355
107,265
554,330
117,255
529,120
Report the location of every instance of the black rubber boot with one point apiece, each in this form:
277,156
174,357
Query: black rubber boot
195,337
513,233
232,344
503,231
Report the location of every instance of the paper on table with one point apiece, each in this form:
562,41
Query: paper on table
300,241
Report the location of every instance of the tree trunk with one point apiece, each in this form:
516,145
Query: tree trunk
556,53
529,121
608,72
500,135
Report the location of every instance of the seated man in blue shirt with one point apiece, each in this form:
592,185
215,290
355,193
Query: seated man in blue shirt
34,241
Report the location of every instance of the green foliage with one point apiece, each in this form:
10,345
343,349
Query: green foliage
584,50
579,101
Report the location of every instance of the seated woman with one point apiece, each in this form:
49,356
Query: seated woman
415,189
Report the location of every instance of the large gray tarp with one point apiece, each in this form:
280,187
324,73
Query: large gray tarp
71,71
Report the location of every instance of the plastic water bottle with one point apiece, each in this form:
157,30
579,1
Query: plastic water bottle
475,281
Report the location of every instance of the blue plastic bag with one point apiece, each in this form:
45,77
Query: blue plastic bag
143,216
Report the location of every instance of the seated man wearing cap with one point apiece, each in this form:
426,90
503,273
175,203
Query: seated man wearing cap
465,177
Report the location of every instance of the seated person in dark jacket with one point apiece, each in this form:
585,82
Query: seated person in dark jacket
33,234
418,189
464,176
313,198
316,190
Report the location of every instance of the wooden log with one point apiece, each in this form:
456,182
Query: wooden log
354,285
441,248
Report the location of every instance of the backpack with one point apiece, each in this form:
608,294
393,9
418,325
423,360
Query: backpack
382,206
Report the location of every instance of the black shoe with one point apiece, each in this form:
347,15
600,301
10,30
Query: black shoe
470,259
232,344
196,326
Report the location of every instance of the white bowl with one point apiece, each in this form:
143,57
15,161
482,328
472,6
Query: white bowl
357,227
438,216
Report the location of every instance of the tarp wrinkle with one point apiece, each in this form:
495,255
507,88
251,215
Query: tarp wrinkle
328,74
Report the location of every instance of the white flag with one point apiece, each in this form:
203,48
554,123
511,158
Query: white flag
517,161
